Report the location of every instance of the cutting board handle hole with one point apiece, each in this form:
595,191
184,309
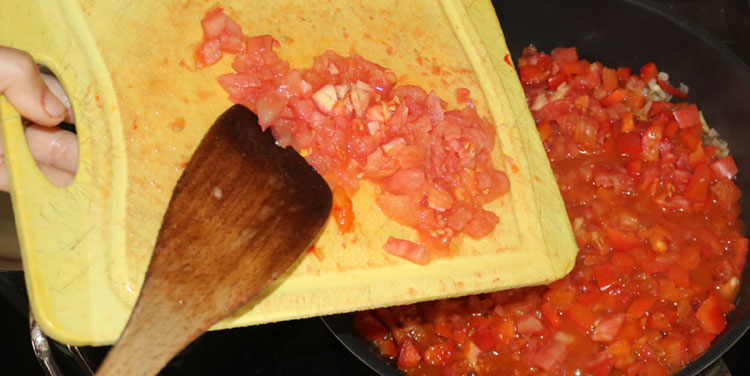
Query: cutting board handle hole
55,149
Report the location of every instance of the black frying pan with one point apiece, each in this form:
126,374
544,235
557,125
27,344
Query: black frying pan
631,33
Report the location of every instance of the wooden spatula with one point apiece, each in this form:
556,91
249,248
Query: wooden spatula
242,212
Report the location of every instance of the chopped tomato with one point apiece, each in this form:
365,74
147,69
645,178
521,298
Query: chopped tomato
688,116
656,216
671,90
605,276
609,79
532,74
484,338
341,210
352,122
607,327
411,251
528,324
369,326
711,316
440,354
649,72
698,186
725,167
551,356
617,96
408,356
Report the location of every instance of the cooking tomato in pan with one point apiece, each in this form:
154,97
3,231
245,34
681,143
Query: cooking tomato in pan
650,194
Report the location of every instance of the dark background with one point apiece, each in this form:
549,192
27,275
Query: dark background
306,346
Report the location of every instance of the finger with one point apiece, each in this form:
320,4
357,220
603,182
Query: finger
56,176
53,146
22,84
56,88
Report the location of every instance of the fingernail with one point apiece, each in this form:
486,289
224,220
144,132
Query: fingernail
52,105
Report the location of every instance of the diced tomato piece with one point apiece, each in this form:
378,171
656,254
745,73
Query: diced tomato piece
605,276
366,324
532,75
615,97
689,139
556,80
601,364
671,129
408,356
634,168
341,210
484,338
622,240
652,143
697,156
629,144
545,130
661,319
411,251
550,356
623,73
711,317
607,327
609,79
504,331
481,224
406,182
640,306
528,324
564,55
581,316
700,342
725,167
440,354
628,123
688,116
589,298
697,188
209,52
649,72
550,314
671,90
680,276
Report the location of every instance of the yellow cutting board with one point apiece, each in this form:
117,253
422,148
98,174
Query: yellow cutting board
142,107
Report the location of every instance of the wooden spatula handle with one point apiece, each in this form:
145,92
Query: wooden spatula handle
242,212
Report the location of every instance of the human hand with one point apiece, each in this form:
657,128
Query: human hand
40,99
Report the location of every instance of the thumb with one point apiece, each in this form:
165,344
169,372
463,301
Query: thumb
22,84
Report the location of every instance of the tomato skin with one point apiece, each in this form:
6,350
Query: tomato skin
671,90
440,354
411,251
528,324
369,326
697,188
605,276
607,327
408,356
711,316
725,167
532,75
484,338
615,97
649,72
688,116
341,210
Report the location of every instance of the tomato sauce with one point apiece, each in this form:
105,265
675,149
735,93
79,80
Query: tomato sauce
655,212
352,122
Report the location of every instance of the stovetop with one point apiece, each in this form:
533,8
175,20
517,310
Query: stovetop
306,346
